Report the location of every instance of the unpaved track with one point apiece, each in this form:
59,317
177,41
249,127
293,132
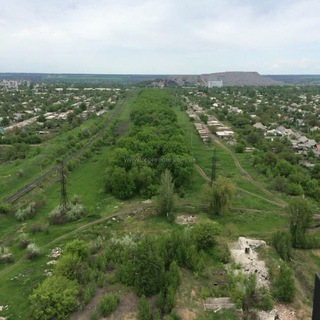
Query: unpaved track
204,176
277,201
136,206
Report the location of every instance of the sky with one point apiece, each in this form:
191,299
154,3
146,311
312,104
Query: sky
160,37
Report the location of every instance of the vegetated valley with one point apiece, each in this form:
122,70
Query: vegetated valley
148,203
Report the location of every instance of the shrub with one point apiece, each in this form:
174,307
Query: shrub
75,199
76,212
282,243
33,251
88,293
284,285
23,241
94,315
39,227
5,255
20,173
72,213
57,216
108,304
54,298
26,213
144,309
204,234
21,215
5,208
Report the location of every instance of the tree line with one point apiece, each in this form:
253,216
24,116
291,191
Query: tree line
154,143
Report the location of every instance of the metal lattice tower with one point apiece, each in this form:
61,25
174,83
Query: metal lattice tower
64,196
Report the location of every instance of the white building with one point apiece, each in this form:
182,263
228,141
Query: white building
215,83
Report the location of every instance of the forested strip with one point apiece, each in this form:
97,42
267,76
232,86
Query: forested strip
154,143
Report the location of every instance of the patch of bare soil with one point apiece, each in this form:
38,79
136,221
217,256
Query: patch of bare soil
127,308
284,313
186,314
85,314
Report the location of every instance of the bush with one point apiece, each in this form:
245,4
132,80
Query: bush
5,208
284,285
282,242
23,241
76,212
89,293
204,234
144,309
26,213
75,199
55,298
5,255
57,216
94,315
72,213
108,304
39,227
33,251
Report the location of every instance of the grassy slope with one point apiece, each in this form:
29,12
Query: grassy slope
87,182
10,181
250,223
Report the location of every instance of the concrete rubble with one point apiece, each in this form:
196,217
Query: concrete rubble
244,254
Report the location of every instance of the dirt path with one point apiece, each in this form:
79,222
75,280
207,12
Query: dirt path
205,177
136,206
245,173
277,201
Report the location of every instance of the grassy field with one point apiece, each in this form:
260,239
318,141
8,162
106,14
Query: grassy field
17,280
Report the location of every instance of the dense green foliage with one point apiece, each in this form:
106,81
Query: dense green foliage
282,242
300,217
55,298
144,309
151,265
218,196
153,144
108,304
165,199
284,285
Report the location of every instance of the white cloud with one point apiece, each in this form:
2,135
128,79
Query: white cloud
178,36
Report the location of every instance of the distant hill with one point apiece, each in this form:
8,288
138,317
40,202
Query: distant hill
227,78
296,78
240,79
237,78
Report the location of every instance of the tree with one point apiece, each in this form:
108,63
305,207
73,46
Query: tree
173,275
77,247
54,298
165,199
218,197
282,242
204,234
71,267
144,309
300,217
284,286
120,182
148,268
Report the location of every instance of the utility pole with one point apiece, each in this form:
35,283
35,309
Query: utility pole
63,188
213,167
